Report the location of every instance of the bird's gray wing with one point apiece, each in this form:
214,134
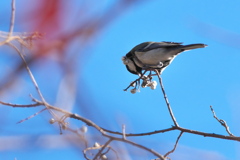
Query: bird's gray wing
147,46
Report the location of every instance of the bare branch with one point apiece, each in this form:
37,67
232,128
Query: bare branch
19,105
100,129
104,153
103,130
82,137
22,57
23,39
222,122
137,80
115,153
102,148
101,152
33,79
175,146
32,115
138,145
166,99
29,72
12,19
213,135
141,134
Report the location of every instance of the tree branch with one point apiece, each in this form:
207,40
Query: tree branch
32,115
175,146
33,79
166,99
102,148
222,122
12,19
19,105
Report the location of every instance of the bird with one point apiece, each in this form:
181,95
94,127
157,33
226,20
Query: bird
154,55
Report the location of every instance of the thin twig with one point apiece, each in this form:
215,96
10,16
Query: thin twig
141,134
104,153
213,135
166,99
98,147
85,155
137,145
12,19
222,122
137,80
90,148
100,151
32,115
82,137
23,59
33,79
115,153
175,146
20,105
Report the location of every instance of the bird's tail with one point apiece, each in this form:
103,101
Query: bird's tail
193,46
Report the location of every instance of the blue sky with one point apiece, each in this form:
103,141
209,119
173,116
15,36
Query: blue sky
195,80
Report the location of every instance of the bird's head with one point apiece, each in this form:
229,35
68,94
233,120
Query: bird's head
130,65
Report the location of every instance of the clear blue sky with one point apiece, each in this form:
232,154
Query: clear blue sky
195,80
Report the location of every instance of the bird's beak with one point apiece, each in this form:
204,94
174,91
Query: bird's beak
125,60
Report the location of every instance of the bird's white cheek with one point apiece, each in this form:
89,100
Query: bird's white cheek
131,66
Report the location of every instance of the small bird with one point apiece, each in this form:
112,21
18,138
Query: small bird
154,55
